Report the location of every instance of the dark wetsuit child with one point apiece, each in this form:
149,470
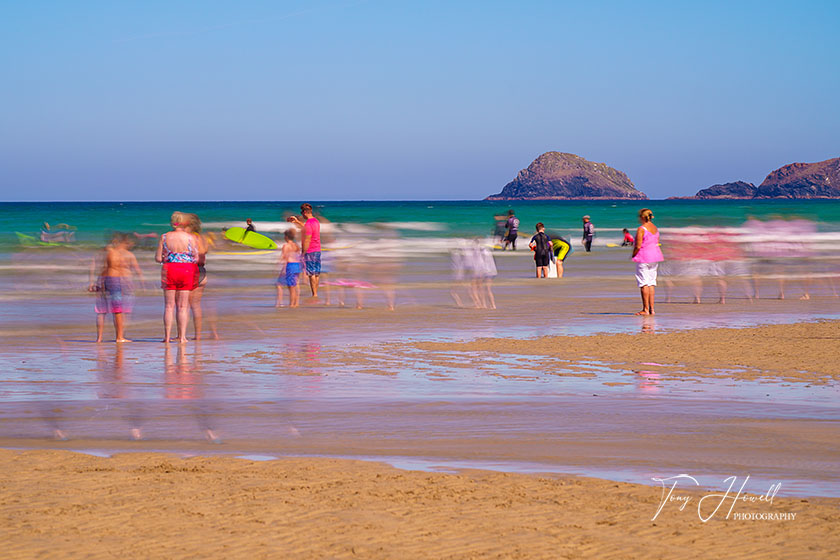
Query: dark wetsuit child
541,245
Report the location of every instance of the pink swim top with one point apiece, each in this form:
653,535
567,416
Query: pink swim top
312,227
649,252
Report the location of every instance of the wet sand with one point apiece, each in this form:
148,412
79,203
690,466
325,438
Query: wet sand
65,505
801,351
562,378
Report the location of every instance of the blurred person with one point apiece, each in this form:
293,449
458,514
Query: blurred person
588,233
249,226
145,240
459,263
561,248
310,246
680,252
723,258
384,265
202,247
541,246
289,270
628,239
647,256
499,230
696,250
178,253
512,226
62,233
484,270
114,287
780,247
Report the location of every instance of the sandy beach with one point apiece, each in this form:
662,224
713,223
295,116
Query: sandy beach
65,505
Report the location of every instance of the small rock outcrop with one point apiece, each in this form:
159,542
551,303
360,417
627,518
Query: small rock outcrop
562,176
735,190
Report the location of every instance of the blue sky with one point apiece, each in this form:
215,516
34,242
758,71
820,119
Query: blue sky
405,100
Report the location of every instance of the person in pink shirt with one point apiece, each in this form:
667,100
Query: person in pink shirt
310,245
647,255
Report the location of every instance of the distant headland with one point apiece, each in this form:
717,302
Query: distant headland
564,176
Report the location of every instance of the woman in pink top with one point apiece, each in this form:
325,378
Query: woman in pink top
647,256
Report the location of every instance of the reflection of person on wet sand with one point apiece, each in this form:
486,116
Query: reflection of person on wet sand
113,287
183,382
113,385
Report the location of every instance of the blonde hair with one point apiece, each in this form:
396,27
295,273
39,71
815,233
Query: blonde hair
193,222
178,219
646,214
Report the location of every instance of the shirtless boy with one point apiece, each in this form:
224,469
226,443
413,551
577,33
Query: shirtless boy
289,270
113,286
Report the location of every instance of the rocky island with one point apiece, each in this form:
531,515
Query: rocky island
562,176
735,190
796,180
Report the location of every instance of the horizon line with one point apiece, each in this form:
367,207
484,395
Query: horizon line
299,201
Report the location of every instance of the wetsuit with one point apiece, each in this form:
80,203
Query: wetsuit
513,231
588,235
542,249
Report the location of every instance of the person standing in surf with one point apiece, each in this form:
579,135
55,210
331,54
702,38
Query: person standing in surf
647,255
561,248
113,286
541,246
310,242
289,270
512,226
588,233
202,246
178,252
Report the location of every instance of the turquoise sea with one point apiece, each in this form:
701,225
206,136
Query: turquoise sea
93,220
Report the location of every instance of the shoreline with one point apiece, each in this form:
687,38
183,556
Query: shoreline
640,476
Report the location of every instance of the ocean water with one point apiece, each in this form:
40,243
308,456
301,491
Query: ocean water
437,219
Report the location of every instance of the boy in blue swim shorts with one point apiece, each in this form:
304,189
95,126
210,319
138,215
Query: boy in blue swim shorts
289,270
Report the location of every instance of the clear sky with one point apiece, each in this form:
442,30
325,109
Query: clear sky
405,100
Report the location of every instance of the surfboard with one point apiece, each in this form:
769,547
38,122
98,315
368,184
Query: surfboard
32,241
250,238
245,253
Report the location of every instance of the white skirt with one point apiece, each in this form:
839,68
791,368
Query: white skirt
646,274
